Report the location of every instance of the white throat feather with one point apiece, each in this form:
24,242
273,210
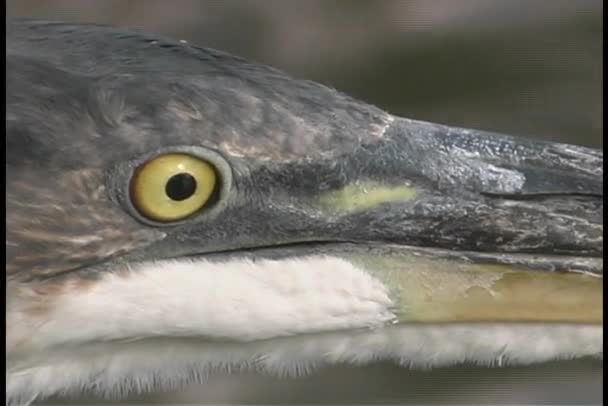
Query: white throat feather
172,322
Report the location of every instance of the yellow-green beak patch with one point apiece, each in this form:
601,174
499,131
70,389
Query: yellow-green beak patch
363,196
426,289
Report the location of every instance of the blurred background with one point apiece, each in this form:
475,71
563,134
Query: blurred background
527,67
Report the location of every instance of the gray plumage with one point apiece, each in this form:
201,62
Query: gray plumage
87,105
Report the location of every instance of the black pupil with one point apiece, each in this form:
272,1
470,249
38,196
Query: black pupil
181,186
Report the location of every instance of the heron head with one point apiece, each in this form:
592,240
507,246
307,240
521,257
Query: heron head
171,209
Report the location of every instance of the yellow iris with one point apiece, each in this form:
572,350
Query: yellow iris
172,187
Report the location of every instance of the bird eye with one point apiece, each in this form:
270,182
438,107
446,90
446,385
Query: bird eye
172,187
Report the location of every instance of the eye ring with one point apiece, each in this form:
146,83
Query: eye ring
172,187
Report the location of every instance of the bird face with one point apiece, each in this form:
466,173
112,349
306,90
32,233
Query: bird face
172,209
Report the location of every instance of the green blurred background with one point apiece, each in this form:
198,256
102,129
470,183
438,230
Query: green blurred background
527,67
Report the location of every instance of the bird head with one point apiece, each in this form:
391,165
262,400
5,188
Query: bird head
172,210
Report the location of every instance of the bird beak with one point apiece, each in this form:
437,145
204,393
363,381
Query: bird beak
470,226
513,228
